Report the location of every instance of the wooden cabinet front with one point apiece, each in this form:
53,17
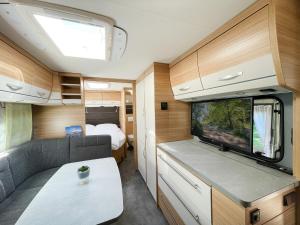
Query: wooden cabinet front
240,54
15,65
185,77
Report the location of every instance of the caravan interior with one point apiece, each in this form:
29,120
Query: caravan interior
150,112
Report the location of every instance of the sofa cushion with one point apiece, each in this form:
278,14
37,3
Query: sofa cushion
13,207
90,147
7,185
38,155
55,152
25,160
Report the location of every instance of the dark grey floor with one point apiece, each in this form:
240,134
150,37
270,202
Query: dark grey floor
139,206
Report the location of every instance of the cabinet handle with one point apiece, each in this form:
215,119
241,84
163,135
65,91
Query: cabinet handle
14,87
230,77
42,94
184,88
196,186
194,215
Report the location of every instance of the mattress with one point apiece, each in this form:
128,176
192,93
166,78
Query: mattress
118,138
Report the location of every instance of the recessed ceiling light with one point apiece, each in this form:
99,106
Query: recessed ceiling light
96,85
75,39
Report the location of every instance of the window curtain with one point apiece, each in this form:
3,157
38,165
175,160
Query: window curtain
263,124
2,127
18,124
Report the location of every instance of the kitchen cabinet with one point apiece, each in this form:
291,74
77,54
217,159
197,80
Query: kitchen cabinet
184,76
20,75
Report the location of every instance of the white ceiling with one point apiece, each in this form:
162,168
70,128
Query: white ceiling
158,31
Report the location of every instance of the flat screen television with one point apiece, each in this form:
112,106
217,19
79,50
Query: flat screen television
226,122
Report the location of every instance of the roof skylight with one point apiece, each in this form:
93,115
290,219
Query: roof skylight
75,39
96,85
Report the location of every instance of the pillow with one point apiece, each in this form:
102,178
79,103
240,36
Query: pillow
107,126
90,129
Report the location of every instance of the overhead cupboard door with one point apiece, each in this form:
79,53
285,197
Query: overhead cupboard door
240,54
19,74
185,77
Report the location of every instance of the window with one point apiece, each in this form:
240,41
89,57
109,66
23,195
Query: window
267,128
92,85
75,39
252,126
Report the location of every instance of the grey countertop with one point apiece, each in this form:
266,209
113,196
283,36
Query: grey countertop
239,178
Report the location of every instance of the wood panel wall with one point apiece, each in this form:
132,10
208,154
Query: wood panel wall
122,113
50,121
175,123
102,95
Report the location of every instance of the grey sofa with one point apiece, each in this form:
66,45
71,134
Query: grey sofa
25,169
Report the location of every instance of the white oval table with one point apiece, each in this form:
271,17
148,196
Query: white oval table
64,201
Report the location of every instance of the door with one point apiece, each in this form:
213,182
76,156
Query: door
140,123
150,134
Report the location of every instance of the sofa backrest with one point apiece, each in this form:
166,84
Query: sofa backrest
90,147
36,156
7,185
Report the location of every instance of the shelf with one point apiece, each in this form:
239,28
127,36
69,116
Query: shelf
71,94
72,85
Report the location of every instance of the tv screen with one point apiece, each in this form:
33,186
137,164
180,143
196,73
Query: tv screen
224,122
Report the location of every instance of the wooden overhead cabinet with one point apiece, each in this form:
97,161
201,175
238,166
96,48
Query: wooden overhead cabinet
241,54
22,78
185,77
256,51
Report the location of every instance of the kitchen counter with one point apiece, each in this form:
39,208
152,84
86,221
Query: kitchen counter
239,178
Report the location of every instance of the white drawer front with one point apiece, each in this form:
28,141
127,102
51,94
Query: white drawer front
187,87
251,70
182,211
195,195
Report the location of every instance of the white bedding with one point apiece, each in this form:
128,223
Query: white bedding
117,136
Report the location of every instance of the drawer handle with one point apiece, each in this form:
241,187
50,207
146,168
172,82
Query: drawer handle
196,186
42,94
194,215
14,87
231,77
184,88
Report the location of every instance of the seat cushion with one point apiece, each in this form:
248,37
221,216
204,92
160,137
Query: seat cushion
90,147
13,207
7,185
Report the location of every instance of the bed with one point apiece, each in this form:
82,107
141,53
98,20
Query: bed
105,120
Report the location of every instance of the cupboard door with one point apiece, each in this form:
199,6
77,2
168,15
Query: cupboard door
185,77
7,68
286,218
140,120
150,134
14,65
240,54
